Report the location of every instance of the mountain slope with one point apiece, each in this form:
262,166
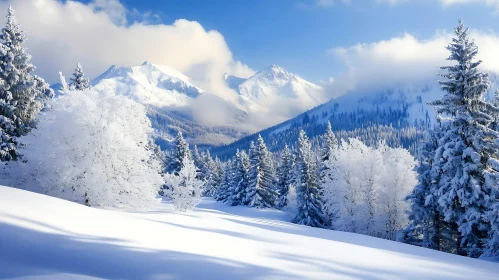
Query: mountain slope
275,92
47,238
173,103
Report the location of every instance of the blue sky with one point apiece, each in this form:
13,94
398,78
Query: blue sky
297,35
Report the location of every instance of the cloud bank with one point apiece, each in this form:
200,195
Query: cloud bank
98,35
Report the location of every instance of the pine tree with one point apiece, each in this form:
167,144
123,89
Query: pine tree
211,175
329,145
180,151
78,82
222,192
308,190
467,148
285,173
261,188
239,179
426,222
22,94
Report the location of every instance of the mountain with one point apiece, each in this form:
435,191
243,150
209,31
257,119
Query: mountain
398,115
276,92
172,101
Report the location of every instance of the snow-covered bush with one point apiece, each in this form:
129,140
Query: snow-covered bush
366,187
93,148
184,188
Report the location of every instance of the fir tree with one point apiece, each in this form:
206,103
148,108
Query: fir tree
239,179
261,188
222,192
426,223
285,173
180,151
78,82
22,94
467,148
308,190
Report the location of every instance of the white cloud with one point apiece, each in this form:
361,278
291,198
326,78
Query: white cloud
62,33
403,60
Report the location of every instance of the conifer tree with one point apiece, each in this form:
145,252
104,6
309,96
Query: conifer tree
78,82
467,152
180,151
239,179
22,94
261,188
308,191
222,192
285,173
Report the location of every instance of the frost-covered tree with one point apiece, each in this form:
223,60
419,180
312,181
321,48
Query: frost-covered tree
329,145
425,226
365,188
222,192
78,82
83,150
467,152
285,174
186,189
22,94
180,152
308,191
239,179
261,188
211,174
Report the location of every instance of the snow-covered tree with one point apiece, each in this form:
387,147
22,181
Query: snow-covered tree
179,153
467,152
186,189
83,150
285,174
222,192
78,82
426,223
261,188
365,188
308,191
211,174
239,179
22,94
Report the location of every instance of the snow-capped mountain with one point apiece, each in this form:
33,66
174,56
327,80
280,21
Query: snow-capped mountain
275,90
172,99
396,108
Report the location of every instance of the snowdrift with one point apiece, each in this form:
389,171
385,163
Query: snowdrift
43,237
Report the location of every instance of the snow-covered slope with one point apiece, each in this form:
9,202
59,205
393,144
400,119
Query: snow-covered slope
47,238
274,89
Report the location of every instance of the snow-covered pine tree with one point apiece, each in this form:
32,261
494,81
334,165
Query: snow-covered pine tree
467,153
187,189
211,175
180,151
308,191
261,188
285,174
239,180
222,192
329,145
425,222
78,82
22,94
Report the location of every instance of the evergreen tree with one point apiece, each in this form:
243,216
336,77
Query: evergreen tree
329,145
308,190
78,82
261,189
239,179
22,94
211,175
426,223
222,192
180,151
285,176
467,148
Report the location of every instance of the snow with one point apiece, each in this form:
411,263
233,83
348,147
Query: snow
47,238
